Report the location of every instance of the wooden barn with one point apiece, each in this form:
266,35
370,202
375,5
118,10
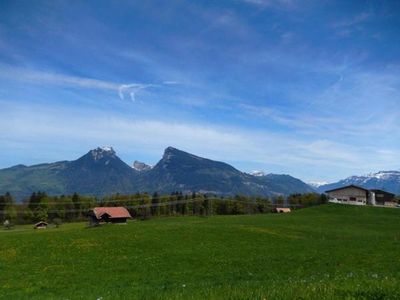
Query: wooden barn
117,215
40,225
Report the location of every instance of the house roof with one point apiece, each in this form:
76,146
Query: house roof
346,187
41,223
113,212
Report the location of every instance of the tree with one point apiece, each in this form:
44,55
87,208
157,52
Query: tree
35,199
280,200
323,199
2,206
172,205
207,205
185,206
76,205
262,205
145,209
222,207
155,201
7,208
295,199
40,214
10,213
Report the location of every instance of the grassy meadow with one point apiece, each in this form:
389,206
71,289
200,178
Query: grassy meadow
325,252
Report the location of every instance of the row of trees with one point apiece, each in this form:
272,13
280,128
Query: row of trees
7,207
40,206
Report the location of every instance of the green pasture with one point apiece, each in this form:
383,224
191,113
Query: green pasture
325,252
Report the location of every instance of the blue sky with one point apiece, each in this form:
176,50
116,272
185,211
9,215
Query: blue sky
307,88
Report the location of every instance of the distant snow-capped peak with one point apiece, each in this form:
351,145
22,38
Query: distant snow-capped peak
258,173
384,174
106,148
380,176
317,184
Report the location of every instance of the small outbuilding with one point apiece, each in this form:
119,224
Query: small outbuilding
41,225
117,215
283,210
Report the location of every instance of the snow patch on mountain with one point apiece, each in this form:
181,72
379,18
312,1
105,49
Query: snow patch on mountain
378,176
384,174
101,152
107,148
258,173
317,184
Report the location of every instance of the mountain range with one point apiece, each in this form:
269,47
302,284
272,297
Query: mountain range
101,172
384,180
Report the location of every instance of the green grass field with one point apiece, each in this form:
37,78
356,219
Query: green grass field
325,252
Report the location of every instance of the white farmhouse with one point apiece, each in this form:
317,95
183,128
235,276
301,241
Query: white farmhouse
357,195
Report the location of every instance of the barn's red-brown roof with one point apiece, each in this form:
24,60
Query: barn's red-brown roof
113,212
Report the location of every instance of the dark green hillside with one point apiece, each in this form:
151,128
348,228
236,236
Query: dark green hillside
325,252
22,181
99,172
285,184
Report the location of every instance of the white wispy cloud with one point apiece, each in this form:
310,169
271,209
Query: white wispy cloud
52,78
40,77
132,89
275,152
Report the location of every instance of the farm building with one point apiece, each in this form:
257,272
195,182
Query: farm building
40,225
383,197
282,210
109,215
350,194
357,195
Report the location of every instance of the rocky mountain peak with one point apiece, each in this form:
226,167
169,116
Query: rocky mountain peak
169,151
140,166
101,152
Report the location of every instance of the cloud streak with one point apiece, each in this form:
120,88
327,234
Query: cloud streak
49,78
132,89
39,77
